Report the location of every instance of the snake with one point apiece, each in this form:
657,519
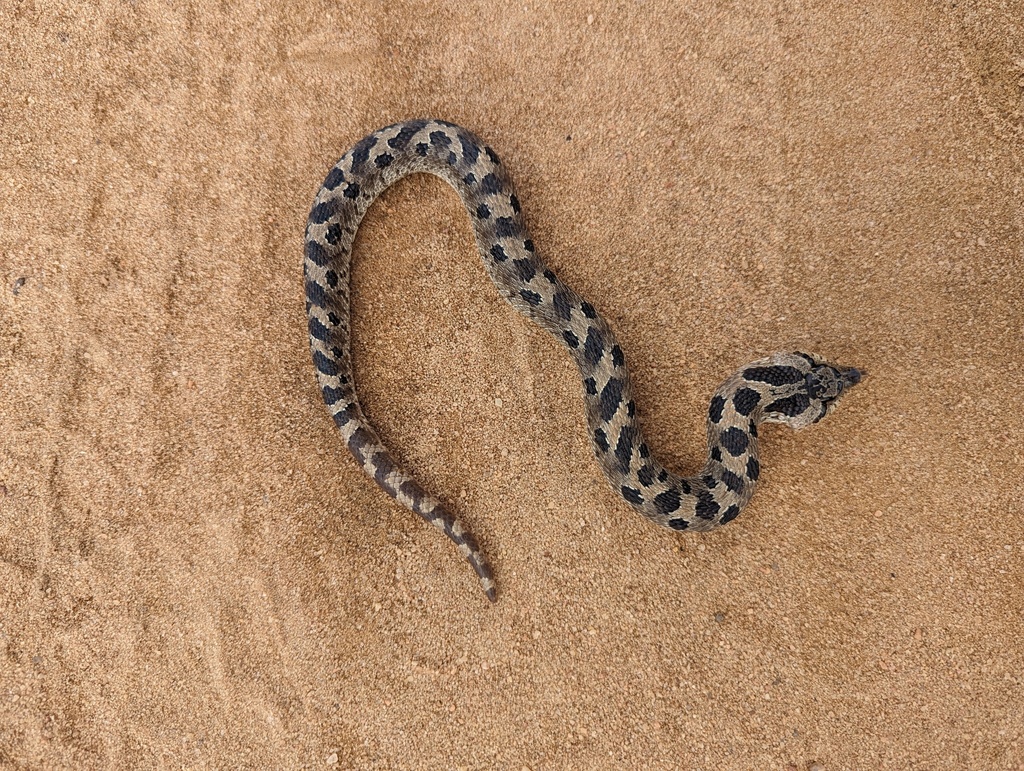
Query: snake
794,388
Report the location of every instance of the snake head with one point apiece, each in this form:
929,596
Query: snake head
798,388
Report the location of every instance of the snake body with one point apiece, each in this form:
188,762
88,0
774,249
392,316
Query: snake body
794,388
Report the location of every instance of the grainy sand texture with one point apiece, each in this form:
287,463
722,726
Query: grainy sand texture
195,574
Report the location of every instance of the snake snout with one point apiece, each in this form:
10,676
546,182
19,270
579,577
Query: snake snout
852,376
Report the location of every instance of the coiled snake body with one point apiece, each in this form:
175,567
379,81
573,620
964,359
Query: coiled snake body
793,388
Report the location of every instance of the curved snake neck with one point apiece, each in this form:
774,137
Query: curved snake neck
713,497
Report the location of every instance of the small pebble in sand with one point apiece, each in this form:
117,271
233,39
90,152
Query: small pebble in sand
18,284
332,759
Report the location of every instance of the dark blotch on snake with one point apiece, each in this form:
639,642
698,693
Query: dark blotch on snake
324,365
332,395
735,440
753,469
776,376
357,442
323,212
333,234
492,155
744,400
531,297
490,184
550,277
611,396
633,496
678,524
570,339
469,179
645,476
318,330
407,132
383,160
315,294
413,491
343,417
506,227
601,440
498,253
617,357
332,317
514,203
716,454
791,405
667,502
334,178
732,481
525,270
588,310
469,149
482,211
383,465
439,139
317,254
730,514
563,308
593,348
715,410
624,447
351,190
361,152
332,279
528,245
707,506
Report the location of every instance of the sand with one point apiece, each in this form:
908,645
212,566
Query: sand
194,573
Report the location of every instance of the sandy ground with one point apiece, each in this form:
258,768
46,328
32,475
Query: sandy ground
194,573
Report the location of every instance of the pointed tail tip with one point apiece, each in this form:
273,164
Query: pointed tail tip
487,582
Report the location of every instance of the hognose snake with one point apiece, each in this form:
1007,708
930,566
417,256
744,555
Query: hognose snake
794,388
